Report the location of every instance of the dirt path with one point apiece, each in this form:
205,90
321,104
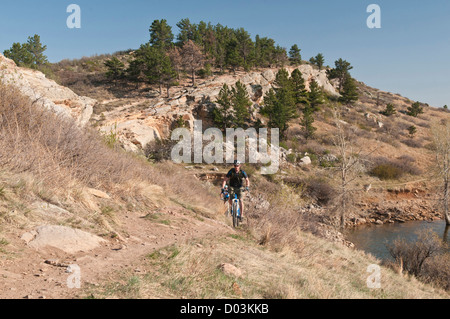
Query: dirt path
31,273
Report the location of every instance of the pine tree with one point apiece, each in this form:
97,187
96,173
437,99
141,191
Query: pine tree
187,31
20,55
115,69
298,86
349,91
315,96
223,115
155,65
233,58
307,122
161,34
412,130
241,103
318,60
415,109
340,72
35,47
390,110
294,55
29,54
245,47
280,103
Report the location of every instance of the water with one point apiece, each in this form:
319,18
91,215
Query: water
373,239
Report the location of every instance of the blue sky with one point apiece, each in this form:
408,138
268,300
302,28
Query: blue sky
408,55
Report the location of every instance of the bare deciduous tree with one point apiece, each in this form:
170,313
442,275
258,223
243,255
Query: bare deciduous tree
441,139
349,168
176,59
192,58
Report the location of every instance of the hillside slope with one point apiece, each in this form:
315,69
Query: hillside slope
160,230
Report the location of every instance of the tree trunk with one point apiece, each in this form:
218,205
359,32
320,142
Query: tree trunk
446,195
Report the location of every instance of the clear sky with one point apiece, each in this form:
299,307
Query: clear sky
408,55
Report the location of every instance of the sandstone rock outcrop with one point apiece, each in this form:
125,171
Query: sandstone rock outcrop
135,127
46,92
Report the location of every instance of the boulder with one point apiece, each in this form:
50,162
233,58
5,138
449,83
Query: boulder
231,270
67,239
305,161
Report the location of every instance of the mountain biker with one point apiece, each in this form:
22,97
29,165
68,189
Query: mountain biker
235,178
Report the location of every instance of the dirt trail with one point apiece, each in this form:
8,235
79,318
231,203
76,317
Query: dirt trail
26,274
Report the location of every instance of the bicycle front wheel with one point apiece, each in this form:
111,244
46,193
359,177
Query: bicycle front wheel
235,215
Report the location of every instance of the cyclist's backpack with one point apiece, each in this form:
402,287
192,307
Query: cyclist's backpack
236,179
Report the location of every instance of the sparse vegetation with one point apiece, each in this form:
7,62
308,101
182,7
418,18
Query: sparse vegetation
425,258
288,211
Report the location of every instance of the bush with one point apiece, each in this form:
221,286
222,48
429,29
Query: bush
316,189
436,270
386,171
321,191
412,143
412,255
159,150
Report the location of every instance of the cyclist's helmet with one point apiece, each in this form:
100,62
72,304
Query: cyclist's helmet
237,163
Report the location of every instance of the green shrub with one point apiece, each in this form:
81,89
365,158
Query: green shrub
386,171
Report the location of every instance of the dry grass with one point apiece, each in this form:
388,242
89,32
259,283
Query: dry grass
62,159
324,270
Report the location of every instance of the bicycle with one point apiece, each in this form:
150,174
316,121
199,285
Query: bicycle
236,211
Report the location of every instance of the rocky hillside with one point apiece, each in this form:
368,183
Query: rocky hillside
139,120
45,92
66,198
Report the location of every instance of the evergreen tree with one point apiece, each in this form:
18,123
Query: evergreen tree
223,115
155,65
280,103
241,102
298,86
307,122
280,56
245,47
233,58
282,79
349,92
294,55
35,47
234,107
187,31
20,55
412,130
415,109
264,51
315,96
318,60
29,54
161,34
340,72
115,69
390,110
